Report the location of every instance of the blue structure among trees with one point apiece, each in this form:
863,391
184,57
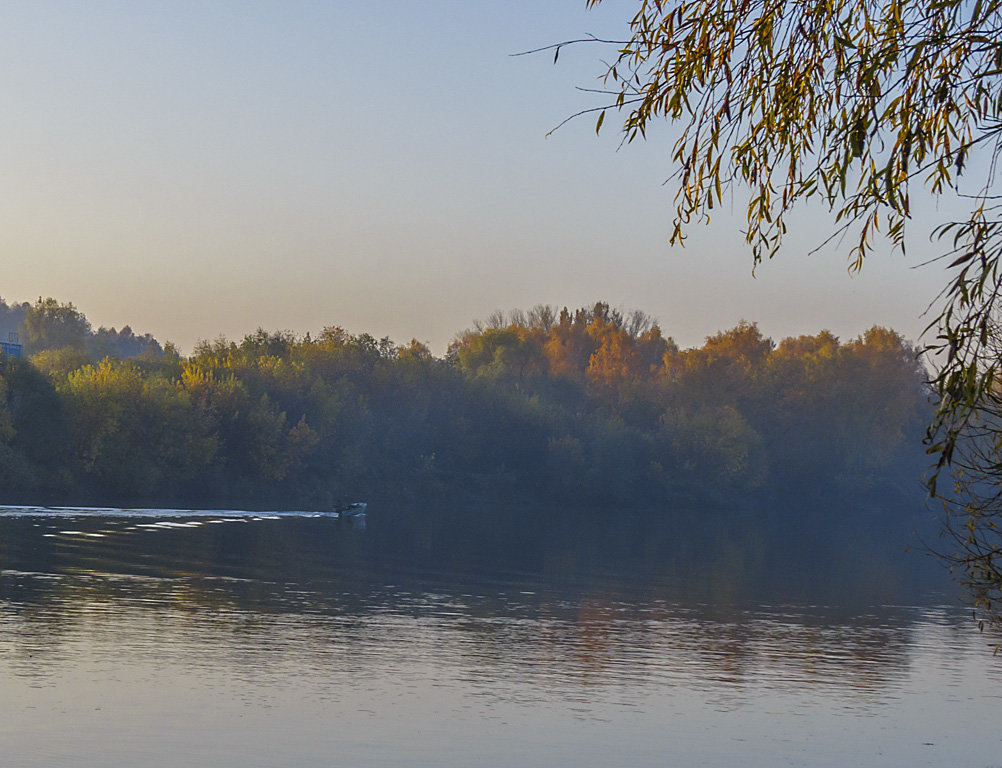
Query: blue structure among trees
11,348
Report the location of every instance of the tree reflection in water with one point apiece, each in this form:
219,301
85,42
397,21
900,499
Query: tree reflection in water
421,629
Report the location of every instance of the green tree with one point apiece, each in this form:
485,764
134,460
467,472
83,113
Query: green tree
40,428
509,354
134,437
47,324
716,446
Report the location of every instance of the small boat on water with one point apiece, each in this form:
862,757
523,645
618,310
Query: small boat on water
356,509
353,514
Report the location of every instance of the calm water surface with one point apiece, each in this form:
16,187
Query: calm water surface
172,639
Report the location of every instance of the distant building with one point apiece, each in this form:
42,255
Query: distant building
11,347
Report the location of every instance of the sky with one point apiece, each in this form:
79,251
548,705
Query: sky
196,169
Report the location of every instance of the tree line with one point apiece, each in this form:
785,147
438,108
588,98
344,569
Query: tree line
593,406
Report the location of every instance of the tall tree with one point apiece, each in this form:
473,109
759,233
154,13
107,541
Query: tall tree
47,324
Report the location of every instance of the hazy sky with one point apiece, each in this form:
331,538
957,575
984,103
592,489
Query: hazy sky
204,168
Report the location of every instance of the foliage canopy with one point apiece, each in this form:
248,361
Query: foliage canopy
586,406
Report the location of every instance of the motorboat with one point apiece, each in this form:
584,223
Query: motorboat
349,511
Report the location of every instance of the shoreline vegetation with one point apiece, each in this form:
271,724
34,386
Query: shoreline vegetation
592,407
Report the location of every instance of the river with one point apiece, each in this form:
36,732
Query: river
160,638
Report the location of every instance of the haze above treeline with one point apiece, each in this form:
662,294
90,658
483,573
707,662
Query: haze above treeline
591,406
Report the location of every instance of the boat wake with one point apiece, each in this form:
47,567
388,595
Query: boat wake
347,511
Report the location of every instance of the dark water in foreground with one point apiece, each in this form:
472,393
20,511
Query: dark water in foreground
180,640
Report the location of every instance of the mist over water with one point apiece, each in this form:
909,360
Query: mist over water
186,637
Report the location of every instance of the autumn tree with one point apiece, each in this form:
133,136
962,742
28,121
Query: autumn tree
615,361
569,347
